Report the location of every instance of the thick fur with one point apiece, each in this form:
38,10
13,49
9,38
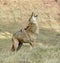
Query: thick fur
26,35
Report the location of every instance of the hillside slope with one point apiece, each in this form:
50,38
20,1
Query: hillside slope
17,12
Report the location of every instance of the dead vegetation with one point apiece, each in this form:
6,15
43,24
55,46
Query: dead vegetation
14,15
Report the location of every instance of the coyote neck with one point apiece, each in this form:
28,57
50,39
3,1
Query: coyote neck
32,28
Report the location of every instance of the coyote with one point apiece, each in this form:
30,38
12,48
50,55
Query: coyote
26,35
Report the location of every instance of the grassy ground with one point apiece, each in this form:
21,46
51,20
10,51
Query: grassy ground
14,15
47,49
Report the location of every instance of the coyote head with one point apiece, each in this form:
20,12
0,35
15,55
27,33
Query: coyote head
33,18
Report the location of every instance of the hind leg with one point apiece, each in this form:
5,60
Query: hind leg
15,44
13,49
19,45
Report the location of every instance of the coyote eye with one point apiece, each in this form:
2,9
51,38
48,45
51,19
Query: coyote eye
36,15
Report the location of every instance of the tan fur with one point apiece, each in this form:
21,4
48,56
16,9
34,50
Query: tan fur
26,35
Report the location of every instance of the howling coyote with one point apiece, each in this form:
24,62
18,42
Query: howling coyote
26,35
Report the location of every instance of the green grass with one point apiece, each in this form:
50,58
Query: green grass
38,54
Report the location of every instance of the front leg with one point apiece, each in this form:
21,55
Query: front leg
32,44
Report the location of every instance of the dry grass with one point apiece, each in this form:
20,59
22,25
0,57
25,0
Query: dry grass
14,15
47,49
